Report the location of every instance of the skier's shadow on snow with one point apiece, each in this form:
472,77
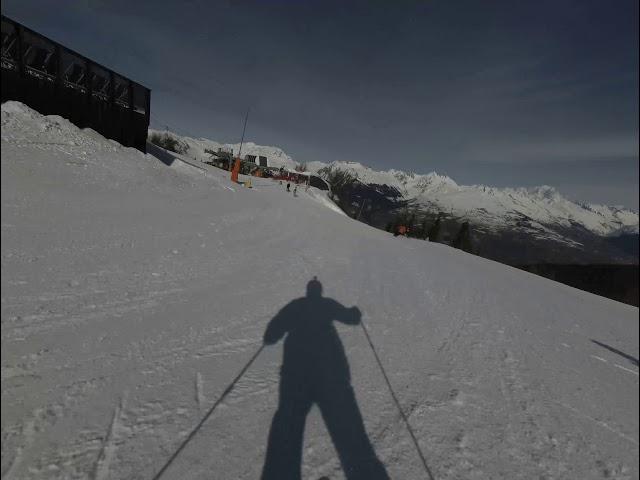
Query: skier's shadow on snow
315,370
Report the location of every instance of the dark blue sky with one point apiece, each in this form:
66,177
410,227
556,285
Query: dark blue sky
505,93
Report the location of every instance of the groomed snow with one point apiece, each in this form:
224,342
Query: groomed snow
134,292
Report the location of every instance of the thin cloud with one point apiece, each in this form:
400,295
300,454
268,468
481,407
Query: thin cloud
604,149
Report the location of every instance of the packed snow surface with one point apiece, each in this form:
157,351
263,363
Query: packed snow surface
134,292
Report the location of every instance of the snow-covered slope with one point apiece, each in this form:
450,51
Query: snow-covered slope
490,207
133,293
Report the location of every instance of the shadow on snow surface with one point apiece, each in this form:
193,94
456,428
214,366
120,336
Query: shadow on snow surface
633,360
315,370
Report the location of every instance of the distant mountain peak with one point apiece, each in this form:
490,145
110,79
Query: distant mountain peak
546,192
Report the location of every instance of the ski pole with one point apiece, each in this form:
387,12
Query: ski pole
395,399
208,414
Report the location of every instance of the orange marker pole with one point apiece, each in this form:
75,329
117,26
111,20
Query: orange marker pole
235,171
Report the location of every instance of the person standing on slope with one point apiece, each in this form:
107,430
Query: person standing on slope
315,370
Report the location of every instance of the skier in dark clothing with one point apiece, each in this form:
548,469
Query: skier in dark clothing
315,370
288,187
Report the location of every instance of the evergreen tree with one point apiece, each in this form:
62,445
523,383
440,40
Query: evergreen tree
463,239
434,231
395,223
424,229
167,142
338,180
412,218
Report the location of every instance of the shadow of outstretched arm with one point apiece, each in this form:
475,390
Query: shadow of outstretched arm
350,316
279,325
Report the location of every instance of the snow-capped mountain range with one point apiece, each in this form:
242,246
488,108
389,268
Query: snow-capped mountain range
498,207
494,208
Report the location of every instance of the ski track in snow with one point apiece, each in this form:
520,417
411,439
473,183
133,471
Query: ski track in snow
108,448
123,275
198,388
626,369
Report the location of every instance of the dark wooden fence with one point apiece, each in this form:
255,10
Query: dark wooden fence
55,80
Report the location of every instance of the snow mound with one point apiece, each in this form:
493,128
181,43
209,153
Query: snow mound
195,148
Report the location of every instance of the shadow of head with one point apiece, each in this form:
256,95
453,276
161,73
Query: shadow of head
314,288
308,321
